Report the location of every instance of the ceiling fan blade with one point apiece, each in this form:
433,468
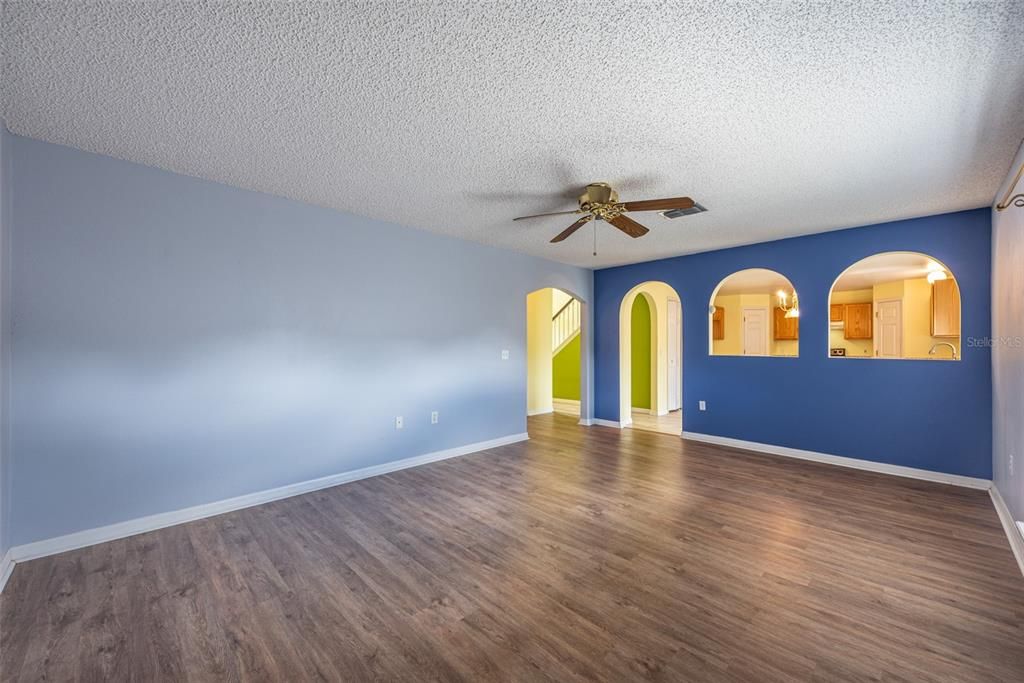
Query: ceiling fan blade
628,226
659,204
541,215
571,229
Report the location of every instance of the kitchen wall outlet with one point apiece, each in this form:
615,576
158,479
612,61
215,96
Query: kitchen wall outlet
433,418
504,354
399,422
702,405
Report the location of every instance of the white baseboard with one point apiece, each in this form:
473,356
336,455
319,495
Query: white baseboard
642,411
1014,531
81,539
545,411
842,461
611,423
6,567
585,422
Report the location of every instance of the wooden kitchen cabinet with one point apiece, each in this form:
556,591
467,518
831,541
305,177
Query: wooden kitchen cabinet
786,328
858,321
945,309
718,323
836,313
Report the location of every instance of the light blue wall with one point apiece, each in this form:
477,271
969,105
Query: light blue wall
925,414
1008,349
180,342
5,331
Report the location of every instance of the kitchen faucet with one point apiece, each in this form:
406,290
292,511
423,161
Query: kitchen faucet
951,348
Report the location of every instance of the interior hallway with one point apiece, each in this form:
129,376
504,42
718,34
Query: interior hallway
583,553
669,423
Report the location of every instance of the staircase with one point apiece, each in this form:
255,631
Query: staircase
565,325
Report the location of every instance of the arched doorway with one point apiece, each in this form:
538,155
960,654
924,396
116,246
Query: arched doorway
557,372
650,358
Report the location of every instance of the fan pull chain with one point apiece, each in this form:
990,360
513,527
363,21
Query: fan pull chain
595,237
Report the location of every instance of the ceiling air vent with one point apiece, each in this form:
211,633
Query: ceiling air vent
679,213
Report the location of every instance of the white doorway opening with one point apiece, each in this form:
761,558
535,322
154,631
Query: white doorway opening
650,359
556,358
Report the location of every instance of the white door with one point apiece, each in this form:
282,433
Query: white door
755,331
674,354
889,337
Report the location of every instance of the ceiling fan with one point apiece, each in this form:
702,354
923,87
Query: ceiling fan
601,202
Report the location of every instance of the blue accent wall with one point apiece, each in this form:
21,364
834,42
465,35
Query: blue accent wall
930,415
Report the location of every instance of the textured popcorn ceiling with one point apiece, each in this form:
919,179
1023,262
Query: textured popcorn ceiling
782,119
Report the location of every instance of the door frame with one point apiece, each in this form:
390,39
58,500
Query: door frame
675,350
767,330
586,367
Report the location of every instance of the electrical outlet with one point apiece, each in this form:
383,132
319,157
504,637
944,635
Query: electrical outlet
702,405
433,418
504,354
399,422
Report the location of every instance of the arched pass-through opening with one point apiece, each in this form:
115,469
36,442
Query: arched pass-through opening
557,371
650,358
897,305
754,312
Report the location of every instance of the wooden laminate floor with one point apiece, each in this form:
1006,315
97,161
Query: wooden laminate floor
582,554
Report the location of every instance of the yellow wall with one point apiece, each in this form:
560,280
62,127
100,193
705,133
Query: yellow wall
538,352
854,347
888,290
917,322
732,345
558,299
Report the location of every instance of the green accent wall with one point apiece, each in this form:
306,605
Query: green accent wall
565,371
640,345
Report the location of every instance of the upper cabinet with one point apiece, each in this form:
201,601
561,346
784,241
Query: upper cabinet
945,309
858,321
836,313
785,328
718,324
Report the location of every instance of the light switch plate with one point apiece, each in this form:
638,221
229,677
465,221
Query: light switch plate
399,422
433,418
702,405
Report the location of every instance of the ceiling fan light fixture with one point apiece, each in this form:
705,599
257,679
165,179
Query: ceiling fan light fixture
599,202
